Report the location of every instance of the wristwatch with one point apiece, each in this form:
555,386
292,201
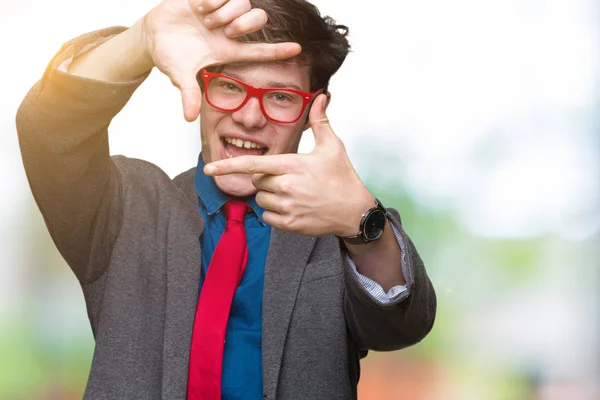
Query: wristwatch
372,225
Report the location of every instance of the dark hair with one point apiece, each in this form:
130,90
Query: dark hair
324,43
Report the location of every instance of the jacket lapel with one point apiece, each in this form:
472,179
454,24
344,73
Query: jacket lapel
183,274
287,256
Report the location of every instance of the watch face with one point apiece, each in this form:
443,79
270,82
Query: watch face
375,224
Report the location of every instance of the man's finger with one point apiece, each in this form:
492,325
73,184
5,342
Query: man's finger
251,21
273,219
265,182
227,13
269,201
263,52
206,6
319,122
191,95
191,99
272,165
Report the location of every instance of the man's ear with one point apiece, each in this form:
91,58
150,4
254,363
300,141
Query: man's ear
307,123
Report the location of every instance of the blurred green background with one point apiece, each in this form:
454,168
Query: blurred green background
478,121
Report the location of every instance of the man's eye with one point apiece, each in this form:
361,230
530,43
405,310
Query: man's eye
280,97
230,87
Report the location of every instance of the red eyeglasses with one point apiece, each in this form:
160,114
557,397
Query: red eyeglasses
284,106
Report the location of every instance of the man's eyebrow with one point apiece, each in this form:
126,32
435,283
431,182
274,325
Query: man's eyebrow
274,84
270,84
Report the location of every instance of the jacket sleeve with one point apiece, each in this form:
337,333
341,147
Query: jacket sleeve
398,324
62,126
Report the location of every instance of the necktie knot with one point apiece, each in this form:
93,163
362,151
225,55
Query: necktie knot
235,210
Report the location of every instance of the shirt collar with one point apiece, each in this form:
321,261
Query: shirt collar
212,198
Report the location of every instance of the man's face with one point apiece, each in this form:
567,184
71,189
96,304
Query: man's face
249,124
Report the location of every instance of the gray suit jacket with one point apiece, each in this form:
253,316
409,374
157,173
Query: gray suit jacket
131,236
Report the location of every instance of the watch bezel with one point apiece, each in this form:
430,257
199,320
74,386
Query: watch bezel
373,212
361,237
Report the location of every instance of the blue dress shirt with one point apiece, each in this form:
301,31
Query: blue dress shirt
242,356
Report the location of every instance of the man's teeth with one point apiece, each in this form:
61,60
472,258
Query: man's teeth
240,143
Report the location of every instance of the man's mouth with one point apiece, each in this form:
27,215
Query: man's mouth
237,147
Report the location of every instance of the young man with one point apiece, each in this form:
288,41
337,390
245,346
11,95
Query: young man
259,273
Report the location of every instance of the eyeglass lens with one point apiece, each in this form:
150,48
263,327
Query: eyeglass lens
280,105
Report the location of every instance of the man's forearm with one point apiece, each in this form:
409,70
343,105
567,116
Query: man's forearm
62,127
380,260
122,58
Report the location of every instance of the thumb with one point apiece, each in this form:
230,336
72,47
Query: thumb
191,95
191,98
319,122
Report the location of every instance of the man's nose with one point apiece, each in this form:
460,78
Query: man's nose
251,115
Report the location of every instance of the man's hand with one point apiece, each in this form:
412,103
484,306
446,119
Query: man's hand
314,194
183,36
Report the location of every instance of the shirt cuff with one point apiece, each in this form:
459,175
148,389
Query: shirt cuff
374,288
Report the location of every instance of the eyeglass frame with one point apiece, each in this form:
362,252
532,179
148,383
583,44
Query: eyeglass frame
251,91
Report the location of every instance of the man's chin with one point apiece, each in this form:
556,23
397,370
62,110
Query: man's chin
236,185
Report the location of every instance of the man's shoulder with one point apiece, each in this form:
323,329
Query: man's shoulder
143,178
144,173
139,167
138,170
185,180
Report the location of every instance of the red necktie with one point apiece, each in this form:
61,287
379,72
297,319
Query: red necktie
222,278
